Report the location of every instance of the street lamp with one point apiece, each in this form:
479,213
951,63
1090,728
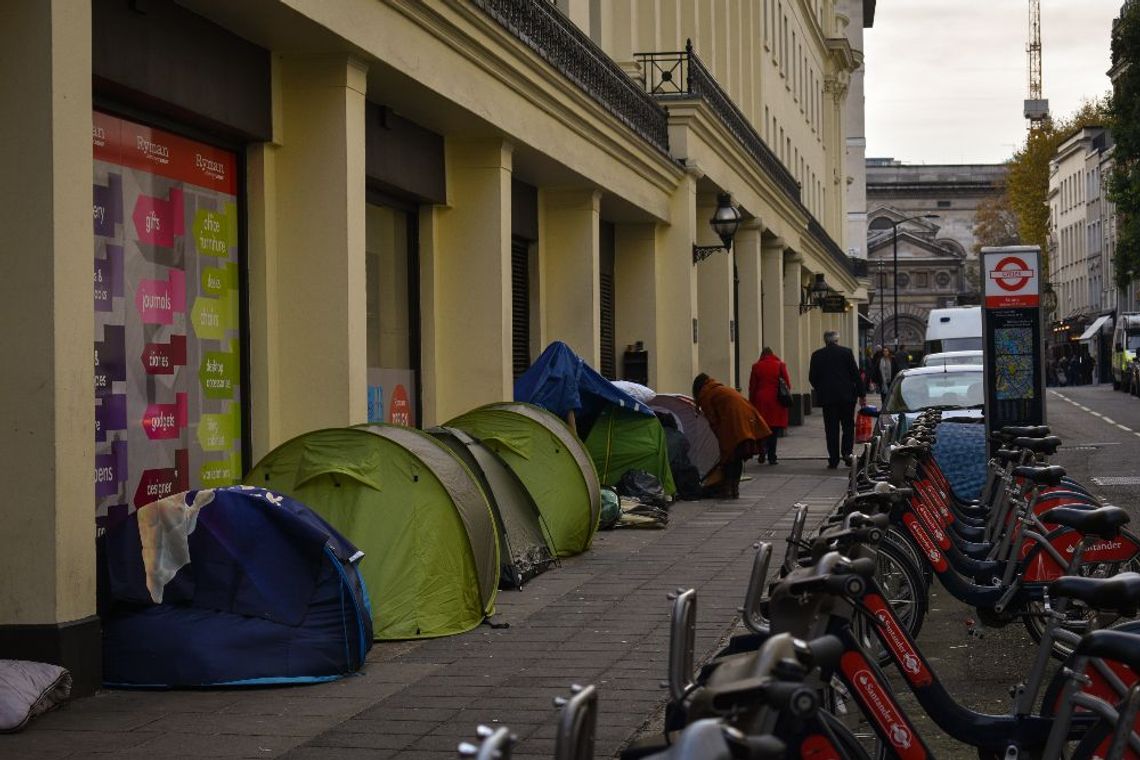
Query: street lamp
895,246
724,222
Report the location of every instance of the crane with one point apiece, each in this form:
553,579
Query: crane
1036,107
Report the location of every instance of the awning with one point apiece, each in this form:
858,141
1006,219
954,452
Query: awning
1094,328
865,322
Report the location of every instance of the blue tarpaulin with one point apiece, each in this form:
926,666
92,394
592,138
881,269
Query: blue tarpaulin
960,450
230,586
560,381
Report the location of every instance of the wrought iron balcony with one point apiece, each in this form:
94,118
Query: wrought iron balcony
681,74
546,31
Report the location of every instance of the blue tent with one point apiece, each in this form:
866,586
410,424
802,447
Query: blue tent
230,587
560,381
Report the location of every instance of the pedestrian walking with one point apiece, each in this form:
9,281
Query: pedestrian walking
883,372
739,429
765,394
835,380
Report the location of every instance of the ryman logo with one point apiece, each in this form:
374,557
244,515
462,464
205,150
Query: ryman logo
210,167
156,152
98,136
1012,273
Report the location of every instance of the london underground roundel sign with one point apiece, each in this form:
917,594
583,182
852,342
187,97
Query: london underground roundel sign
1011,280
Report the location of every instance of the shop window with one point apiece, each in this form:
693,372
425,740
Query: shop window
391,314
168,336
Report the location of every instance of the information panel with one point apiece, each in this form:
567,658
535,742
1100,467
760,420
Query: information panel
1011,327
167,350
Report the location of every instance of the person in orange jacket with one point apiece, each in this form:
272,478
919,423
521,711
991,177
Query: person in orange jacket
738,427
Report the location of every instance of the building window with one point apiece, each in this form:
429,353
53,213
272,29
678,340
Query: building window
169,348
943,204
391,308
922,280
520,305
608,366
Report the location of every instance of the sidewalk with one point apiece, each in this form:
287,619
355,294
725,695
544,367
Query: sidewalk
600,618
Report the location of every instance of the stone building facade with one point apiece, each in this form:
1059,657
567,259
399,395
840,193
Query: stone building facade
936,262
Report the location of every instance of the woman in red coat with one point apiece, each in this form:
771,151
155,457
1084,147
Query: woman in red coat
762,385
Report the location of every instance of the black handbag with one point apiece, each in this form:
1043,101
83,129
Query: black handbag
783,392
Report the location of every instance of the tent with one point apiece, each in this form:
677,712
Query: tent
561,382
431,557
622,440
550,461
704,451
232,586
523,548
631,438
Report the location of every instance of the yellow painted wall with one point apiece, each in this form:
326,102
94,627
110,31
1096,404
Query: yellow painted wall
47,540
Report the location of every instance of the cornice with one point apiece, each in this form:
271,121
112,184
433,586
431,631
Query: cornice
535,81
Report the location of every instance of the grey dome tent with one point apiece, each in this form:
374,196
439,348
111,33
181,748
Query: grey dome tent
431,559
523,548
550,461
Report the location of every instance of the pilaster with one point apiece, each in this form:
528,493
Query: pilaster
568,251
750,311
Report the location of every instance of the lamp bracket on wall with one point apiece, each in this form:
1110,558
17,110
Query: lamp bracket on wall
702,252
724,222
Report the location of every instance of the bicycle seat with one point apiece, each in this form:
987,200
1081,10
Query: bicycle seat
1045,445
1043,475
1007,455
1114,645
1032,431
1103,522
1120,592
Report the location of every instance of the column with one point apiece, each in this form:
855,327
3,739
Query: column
673,355
568,249
772,289
794,355
813,339
317,319
635,292
466,283
47,397
750,313
714,303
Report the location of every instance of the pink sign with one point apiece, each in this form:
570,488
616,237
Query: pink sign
164,421
157,222
157,301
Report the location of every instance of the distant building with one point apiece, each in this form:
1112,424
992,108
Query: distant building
862,16
937,266
1082,241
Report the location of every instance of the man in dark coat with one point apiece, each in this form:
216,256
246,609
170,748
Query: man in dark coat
835,379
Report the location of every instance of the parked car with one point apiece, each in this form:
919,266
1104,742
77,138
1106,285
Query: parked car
952,357
956,388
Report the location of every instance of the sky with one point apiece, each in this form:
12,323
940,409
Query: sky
945,79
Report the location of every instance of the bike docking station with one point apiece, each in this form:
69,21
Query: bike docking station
1013,356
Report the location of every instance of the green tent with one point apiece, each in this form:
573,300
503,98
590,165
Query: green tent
431,559
523,551
622,439
550,461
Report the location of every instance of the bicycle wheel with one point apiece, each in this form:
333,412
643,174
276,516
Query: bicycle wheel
1078,619
903,589
843,713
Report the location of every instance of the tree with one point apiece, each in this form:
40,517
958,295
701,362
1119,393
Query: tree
995,222
1027,181
1124,181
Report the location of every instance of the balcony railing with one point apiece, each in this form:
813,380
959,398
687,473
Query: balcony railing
681,74
546,31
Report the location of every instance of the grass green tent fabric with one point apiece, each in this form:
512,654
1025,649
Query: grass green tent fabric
523,548
550,461
431,559
623,440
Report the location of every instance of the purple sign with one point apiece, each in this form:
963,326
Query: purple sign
111,470
110,359
109,278
108,205
110,414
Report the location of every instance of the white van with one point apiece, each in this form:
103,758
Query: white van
954,329
1125,345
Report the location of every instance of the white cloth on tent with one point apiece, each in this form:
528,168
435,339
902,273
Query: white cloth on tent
28,689
638,391
164,530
